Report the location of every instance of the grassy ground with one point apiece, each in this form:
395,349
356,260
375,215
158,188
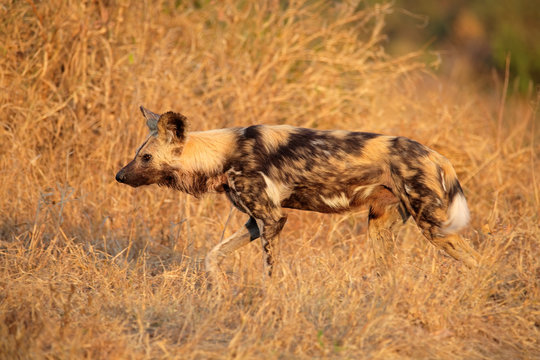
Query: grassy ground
90,268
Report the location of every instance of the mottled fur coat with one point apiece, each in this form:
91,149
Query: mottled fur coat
263,169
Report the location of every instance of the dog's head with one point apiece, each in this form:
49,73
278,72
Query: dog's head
155,159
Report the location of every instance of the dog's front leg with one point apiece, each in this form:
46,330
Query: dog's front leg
271,229
259,198
249,232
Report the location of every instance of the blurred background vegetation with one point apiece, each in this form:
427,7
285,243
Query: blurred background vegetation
473,37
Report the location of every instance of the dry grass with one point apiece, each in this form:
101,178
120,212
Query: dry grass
89,268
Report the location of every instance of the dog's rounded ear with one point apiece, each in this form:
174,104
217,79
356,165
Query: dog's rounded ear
173,125
151,118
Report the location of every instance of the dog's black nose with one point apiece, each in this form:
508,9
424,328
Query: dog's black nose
120,177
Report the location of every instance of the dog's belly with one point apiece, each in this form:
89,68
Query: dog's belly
319,199
338,199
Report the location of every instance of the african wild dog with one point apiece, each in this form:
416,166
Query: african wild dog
263,169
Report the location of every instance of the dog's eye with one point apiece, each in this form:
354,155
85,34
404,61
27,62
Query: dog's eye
146,157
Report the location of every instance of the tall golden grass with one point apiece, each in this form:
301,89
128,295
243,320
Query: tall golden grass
90,268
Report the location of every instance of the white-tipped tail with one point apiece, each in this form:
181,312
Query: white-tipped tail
458,215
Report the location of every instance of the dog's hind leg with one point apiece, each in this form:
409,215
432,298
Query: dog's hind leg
382,226
248,233
386,213
440,226
457,247
449,241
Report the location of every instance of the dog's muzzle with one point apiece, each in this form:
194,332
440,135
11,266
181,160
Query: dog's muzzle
121,177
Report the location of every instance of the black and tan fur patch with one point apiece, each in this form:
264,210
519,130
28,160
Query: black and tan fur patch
264,169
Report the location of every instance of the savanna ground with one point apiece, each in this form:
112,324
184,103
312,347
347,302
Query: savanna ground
93,269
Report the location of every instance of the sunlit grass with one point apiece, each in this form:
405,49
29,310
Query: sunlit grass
90,268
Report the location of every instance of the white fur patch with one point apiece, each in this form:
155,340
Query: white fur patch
442,181
407,189
340,201
458,215
318,142
276,191
365,190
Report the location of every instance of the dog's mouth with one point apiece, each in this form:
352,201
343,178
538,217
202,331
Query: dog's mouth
123,179
129,176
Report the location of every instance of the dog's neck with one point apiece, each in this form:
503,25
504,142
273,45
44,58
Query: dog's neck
206,152
200,167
